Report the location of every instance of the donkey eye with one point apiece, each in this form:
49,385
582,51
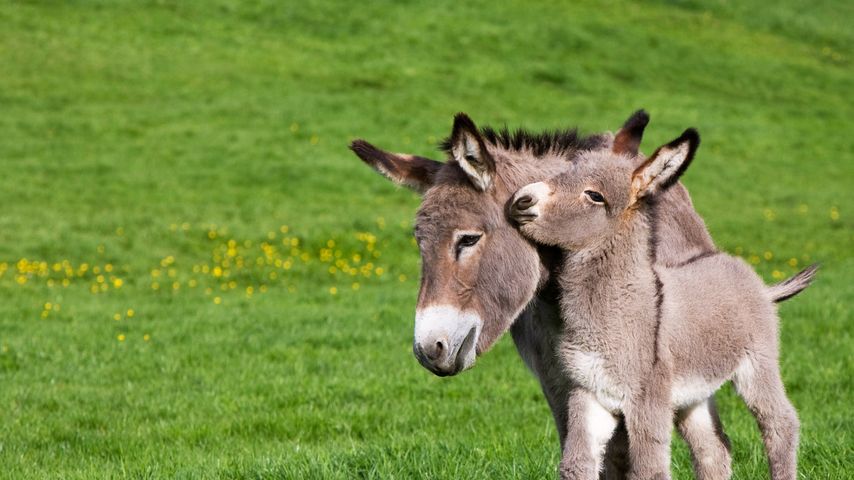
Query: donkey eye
594,196
466,241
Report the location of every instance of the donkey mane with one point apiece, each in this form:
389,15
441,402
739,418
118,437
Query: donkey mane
519,140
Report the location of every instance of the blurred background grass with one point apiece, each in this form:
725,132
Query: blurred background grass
154,142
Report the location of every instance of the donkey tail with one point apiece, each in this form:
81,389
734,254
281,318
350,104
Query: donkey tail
792,286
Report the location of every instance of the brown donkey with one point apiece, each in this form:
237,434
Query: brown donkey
480,277
641,338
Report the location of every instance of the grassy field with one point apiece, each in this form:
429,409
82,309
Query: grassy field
199,280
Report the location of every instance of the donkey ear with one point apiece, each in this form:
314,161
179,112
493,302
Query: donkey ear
469,150
629,137
417,173
666,165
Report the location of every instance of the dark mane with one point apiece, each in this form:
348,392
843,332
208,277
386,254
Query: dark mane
554,141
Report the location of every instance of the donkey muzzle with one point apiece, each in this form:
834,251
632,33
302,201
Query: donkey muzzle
445,339
525,204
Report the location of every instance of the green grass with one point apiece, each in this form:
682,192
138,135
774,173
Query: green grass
133,132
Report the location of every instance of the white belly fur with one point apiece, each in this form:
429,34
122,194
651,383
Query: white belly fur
588,370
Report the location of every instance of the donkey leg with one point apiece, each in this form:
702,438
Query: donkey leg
649,421
702,430
589,427
760,385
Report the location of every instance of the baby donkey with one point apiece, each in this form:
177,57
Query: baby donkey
643,340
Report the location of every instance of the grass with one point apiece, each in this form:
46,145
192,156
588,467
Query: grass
148,135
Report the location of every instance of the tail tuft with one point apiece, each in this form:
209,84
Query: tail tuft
792,286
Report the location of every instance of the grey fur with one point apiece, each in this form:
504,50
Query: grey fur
644,336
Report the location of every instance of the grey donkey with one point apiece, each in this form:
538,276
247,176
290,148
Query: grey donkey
481,278
644,339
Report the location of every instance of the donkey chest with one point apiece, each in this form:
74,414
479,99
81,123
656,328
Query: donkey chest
593,372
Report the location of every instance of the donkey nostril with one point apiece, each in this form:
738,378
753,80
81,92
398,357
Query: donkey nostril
437,350
524,202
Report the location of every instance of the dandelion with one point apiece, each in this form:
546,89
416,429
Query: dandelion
146,337
284,229
217,300
768,255
333,290
754,259
356,285
176,285
769,214
777,274
379,271
120,231
117,283
130,313
155,286
793,262
262,288
48,306
834,213
108,267
401,277
294,127
249,291
315,140
117,316
121,337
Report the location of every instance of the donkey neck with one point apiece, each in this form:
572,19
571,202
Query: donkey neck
613,282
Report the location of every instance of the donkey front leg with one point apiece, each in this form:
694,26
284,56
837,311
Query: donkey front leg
649,421
589,427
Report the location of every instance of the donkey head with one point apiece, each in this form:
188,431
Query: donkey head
478,273
597,196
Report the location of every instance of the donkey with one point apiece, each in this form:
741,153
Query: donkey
480,277
640,338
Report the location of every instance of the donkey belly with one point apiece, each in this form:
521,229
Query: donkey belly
686,392
590,371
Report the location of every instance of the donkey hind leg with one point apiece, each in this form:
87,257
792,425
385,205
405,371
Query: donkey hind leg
589,427
759,384
702,430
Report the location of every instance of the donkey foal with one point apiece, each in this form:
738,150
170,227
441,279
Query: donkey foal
643,339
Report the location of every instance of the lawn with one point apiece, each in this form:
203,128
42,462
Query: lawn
199,280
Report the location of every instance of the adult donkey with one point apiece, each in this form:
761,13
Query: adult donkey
480,277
